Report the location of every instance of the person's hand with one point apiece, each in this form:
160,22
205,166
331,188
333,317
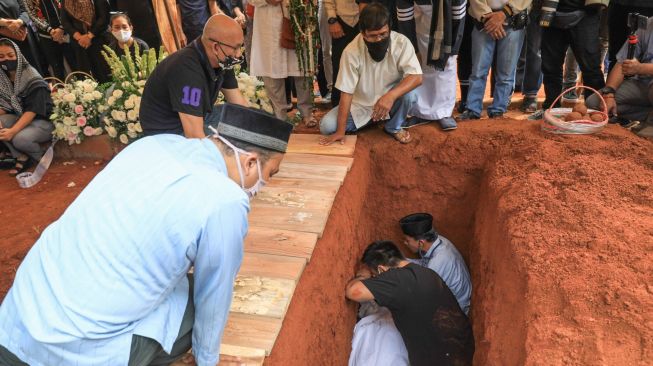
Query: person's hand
493,21
6,134
57,35
240,19
14,24
84,41
382,107
336,30
611,105
631,67
226,360
498,34
328,140
364,273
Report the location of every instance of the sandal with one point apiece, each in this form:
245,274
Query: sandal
402,136
310,122
21,166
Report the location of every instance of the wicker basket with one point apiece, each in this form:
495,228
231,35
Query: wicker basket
553,119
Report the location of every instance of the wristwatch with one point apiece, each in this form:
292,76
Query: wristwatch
332,20
607,90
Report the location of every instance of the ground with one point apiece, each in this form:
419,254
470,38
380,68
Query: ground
557,231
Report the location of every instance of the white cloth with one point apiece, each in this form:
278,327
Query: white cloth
496,4
268,58
436,97
367,79
377,342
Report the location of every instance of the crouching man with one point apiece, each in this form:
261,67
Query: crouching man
433,327
378,74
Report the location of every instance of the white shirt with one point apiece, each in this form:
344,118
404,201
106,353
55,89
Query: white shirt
377,342
367,79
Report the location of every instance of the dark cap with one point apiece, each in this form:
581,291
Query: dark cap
416,224
249,125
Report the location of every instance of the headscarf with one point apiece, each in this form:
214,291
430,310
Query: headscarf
26,80
82,10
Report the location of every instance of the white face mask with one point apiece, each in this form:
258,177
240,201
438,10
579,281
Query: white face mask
122,35
253,190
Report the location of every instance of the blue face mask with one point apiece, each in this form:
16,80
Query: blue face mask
253,190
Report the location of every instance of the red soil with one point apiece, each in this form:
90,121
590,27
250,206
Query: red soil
557,232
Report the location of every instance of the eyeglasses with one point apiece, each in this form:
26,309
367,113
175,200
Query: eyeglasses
376,37
234,48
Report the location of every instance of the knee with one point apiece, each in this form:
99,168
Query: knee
409,98
329,122
593,102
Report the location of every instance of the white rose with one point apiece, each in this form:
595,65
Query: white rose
97,95
111,100
102,108
114,114
130,127
137,127
117,93
68,121
98,131
125,84
121,116
132,134
132,115
69,97
112,131
87,97
129,103
124,139
88,88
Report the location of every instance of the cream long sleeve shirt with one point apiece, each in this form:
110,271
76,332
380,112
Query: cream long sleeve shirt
478,8
347,10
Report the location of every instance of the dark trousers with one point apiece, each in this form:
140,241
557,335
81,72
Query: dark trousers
465,58
337,46
618,26
55,53
584,42
531,80
322,82
90,60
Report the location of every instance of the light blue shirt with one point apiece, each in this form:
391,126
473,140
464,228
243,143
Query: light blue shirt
643,49
115,262
446,261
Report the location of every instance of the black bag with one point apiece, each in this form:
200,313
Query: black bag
567,20
520,20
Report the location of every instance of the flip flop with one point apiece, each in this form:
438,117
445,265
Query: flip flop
402,136
21,166
310,123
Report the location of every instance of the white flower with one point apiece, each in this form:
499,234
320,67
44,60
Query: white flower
69,98
117,93
130,127
124,139
111,100
112,131
98,131
132,134
141,83
126,84
102,108
97,95
132,115
88,88
137,127
119,116
129,103
88,97
68,121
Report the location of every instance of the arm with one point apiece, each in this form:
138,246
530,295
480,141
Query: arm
41,24
102,18
386,101
193,126
343,114
356,290
23,16
235,96
218,259
214,8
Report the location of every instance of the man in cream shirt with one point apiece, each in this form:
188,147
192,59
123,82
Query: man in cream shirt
379,72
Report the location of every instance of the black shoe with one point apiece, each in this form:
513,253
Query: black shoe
462,106
495,115
467,115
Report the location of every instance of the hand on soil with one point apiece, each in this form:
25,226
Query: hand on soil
328,140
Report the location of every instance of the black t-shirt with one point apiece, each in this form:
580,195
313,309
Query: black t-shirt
115,46
184,82
426,313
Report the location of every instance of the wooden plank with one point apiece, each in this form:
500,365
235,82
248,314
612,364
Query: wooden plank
275,266
304,220
314,184
304,171
251,331
314,159
309,144
294,198
248,356
256,295
280,242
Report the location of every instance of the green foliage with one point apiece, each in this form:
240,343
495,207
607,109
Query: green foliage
131,69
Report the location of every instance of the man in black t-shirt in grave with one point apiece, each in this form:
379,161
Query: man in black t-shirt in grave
434,328
181,92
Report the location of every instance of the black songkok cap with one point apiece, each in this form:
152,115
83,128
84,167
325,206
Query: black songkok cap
249,125
416,224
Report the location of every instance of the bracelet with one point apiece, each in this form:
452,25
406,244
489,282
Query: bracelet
608,96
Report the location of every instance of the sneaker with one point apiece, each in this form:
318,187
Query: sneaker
539,114
326,99
495,115
462,106
570,97
529,105
467,115
413,121
447,124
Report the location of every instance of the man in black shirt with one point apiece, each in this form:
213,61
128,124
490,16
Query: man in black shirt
182,90
426,313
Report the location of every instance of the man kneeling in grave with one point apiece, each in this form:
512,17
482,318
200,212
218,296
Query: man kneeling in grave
379,72
439,254
434,329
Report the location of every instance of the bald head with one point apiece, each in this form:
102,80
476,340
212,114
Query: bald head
224,29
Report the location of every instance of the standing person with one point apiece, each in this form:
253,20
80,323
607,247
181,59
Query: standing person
116,290
342,17
141,14
499,30
432,325
325,42
14,22
123,39
532,80
465,61
436,34
87,21
274,63
54,42
194,14
181,92
25,107
618,11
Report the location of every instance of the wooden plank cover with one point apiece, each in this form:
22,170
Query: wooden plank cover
251,331
305,171
256,295
275,266
249,356
296,219
314,159
280,242
309,144
294,198
313,184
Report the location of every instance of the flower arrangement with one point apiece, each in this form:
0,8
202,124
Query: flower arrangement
76,110
252,89
123,102
305,28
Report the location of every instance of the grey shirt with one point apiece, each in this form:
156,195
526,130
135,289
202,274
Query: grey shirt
643,50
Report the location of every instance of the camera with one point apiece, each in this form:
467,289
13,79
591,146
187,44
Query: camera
637,22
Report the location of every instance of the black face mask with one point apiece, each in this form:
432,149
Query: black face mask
9,65
230,62
378,50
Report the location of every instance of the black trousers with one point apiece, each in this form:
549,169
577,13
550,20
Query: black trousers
584,42
337,46
465,57
90,60
55,53
618,26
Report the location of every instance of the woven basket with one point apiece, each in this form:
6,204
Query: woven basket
553,119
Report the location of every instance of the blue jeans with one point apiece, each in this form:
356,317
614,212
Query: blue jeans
533,65
398,113
483,48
